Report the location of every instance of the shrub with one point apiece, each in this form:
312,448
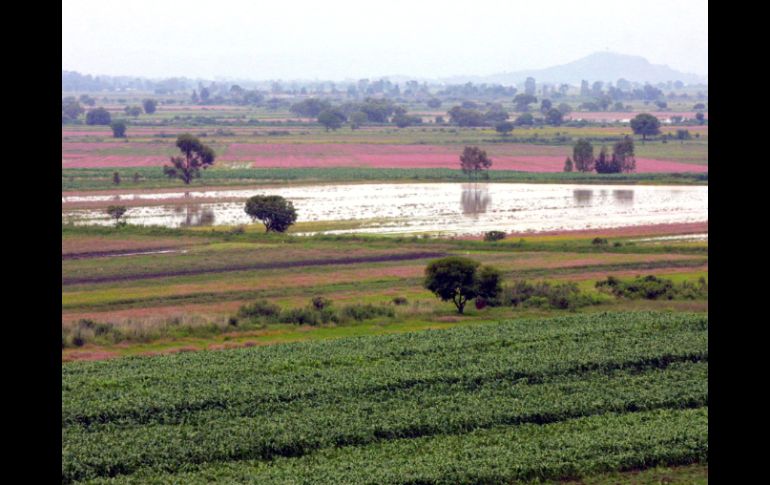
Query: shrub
651,287
259,309
494,236
319,303
488,286
400,300
300,316
563,296
543,294
232,321
360,312
536,302
599,241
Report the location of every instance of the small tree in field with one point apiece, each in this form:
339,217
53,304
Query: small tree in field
116,212
331,119
452,278
98,116
623,154
116,178
645,124
568,165
149,106
683,135
473,160
583,156
504,128
275,212
456,278
196,156
118,129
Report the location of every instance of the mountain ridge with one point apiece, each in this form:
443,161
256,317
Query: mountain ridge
598,66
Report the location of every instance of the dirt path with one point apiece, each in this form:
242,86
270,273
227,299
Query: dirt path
119,252
258,266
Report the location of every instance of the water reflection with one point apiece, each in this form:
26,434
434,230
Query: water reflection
625,197
582,197
475,199
194,215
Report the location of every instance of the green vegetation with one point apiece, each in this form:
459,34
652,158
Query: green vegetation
465,405
197,156
564,296
275,212
319,311
651,287
455,278
100,178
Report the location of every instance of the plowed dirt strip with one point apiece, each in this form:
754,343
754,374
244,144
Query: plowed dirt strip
84,245
630,231
276,265
119,252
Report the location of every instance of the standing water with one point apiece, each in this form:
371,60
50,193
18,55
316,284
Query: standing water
445,208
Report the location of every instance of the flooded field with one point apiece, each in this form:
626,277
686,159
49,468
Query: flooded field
443,208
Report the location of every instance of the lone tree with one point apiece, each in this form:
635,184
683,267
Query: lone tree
568,165
196,156
583,156
98,116
522,101
116,212
504,128
70,110
683,135
554,117
331,119
645,124
473,160
118,129
604,164
149,106
623,154
455,278
275,212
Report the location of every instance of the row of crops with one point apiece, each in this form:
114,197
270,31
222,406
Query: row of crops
515,400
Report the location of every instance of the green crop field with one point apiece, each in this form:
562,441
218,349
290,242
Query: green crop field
517,400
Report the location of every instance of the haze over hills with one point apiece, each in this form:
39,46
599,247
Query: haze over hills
599,66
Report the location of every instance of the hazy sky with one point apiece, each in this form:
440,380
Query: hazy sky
340,39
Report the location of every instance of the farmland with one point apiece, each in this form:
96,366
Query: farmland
204,350
344,401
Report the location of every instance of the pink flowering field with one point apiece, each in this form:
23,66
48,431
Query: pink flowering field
523,157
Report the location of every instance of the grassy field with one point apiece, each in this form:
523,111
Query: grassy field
184,298
86,179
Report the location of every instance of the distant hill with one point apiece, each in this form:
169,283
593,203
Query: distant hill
599,66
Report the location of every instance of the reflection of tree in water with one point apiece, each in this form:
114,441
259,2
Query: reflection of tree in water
582,196
475,199
195,215
625,197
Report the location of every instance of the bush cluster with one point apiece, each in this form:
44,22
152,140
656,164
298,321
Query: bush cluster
318,311
86,330
651,287
542,294
494,236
